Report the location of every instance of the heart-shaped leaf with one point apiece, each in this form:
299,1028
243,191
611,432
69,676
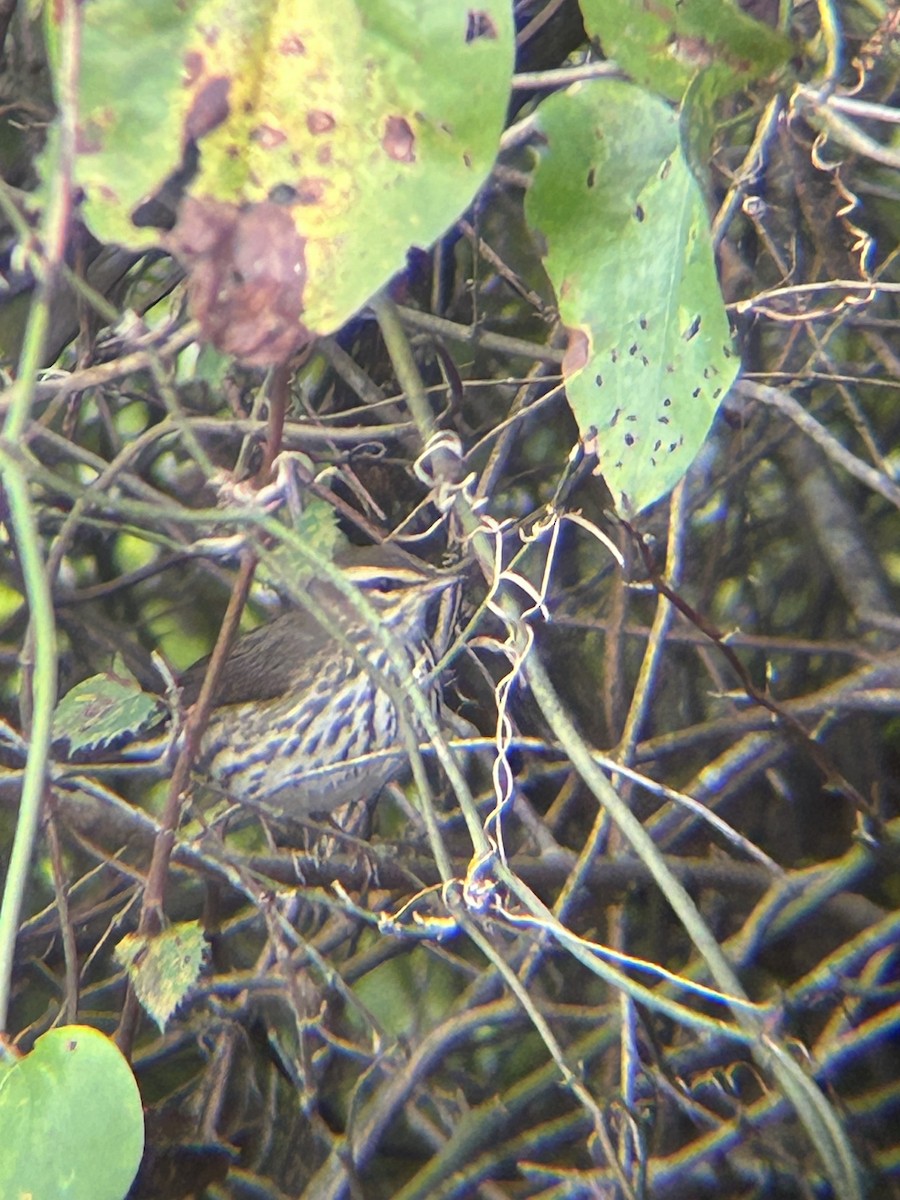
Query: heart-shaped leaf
71,1119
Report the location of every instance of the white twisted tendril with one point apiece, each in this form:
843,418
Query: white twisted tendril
445,444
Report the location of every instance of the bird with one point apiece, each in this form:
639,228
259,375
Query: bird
306,705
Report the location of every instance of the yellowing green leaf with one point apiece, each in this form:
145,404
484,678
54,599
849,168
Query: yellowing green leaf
163,969
317,142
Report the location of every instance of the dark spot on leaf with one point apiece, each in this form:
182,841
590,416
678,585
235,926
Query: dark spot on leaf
614,355
639,213
208,109
480,25
399,141
619,464
657,446
246,276
283,193
665,169
577,353
696,392
467,160
706,372
727,352
323,155
631,417
591,177
645,360
693,329
670,370
89,138
310,190
267,136
642,322
319,121
717,392
673,446
667,402
695,52
615,417
193,68
247,107
291,44
652,461
629,439
633,349
663,420
598,379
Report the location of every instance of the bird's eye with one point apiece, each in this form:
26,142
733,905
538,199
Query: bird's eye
380,584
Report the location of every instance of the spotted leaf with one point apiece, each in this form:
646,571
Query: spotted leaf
624,229
299,148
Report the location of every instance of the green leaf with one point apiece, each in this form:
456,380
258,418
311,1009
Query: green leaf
104,710
164,968
663,45
332,137
132,107
72,1121
628,251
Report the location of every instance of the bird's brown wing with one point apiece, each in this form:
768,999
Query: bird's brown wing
266,662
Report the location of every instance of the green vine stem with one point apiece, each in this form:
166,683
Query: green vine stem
14,477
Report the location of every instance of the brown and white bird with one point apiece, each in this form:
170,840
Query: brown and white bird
306,706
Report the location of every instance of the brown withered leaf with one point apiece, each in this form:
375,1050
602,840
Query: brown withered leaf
246,277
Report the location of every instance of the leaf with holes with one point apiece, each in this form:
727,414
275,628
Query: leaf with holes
626,244
304,147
